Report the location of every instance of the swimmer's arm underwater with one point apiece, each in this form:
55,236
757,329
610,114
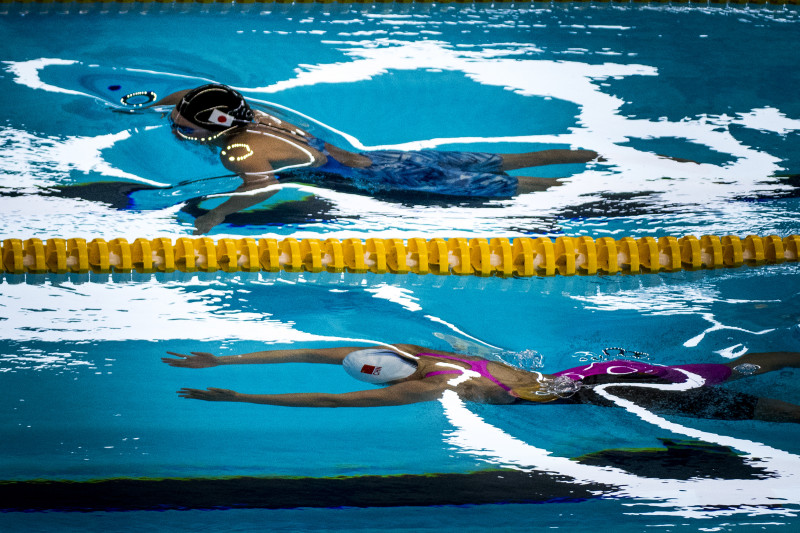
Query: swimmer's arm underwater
215,216
399,394
330,356
255,176
246,195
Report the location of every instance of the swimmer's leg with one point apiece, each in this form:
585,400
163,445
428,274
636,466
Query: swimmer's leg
545,157
526,184
709,403
765,361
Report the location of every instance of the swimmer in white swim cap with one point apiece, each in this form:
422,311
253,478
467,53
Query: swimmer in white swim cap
412,374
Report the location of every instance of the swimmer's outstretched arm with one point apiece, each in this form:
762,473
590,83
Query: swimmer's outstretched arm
400,394
330,356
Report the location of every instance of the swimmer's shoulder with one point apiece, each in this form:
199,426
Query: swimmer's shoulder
240,154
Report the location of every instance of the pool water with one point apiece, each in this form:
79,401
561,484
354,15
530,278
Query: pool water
87,397
628,82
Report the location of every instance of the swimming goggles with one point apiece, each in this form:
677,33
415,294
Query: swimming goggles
183,130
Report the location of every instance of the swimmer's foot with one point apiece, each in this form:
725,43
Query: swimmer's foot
753,364
530,184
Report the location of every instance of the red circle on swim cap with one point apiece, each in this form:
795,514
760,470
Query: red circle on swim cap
222,119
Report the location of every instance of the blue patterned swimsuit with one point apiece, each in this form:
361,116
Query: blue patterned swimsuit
473,174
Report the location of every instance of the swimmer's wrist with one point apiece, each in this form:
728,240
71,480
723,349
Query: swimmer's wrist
240,359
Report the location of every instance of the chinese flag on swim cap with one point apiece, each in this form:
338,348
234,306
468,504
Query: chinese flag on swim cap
218,117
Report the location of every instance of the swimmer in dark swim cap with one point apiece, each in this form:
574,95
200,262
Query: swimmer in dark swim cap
415,374
264,150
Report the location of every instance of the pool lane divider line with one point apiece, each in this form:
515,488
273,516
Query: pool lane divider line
503,257
129,494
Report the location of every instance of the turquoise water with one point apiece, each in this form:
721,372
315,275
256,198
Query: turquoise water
87,398
627,82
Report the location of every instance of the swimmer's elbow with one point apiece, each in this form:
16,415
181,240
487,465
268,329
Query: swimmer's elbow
328,402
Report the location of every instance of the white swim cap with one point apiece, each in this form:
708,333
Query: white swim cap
375,365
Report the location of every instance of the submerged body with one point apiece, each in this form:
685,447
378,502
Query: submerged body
264,150
466,174
413,374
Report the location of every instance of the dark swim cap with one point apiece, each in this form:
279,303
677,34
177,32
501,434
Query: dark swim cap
215,107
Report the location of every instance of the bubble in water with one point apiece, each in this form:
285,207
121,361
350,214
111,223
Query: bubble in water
585,357
747,369
561,386
527,358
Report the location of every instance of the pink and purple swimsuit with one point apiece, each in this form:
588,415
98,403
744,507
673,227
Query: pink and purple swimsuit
480,366
713,374
701,402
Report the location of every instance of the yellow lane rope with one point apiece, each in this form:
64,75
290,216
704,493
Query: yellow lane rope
518,257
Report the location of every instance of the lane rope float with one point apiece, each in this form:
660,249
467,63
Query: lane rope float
503,257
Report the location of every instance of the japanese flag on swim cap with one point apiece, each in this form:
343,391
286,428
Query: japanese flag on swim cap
378,366
218,117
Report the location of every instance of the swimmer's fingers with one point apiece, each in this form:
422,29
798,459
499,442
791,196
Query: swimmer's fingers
197,394
211,394
174,362
189,393
195,360
176,354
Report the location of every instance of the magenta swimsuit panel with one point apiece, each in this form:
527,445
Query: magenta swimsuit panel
481,367
713,374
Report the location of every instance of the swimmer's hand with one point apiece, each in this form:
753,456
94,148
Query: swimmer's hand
195,360
211,394
205,223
